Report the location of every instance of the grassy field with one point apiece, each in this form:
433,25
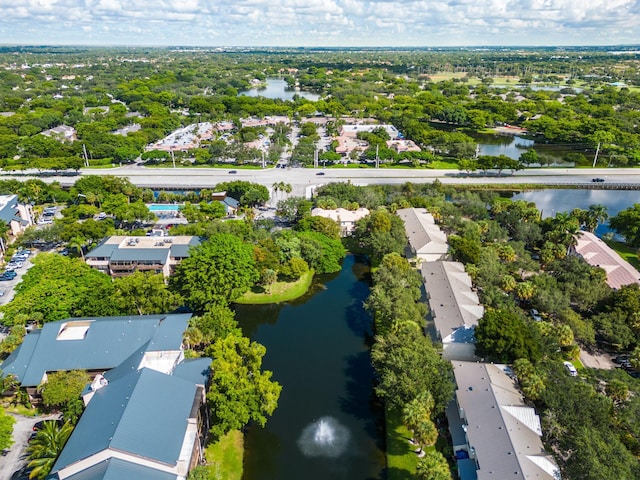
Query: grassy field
401,459
630,254
280,291
224,458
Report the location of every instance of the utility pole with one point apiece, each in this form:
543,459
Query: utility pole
377,158
595,158
315,158
477,150
173,159
86,157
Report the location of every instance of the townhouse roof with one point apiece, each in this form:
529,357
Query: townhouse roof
92,343
455,307
117,469
124,248
423,233
597,253
123,417
502,430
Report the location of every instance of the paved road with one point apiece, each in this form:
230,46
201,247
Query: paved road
302,178
15,458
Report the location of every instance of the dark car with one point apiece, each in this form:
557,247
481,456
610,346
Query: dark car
597,180
233,171
320,173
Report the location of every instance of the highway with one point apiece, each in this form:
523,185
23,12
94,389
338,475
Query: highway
302,178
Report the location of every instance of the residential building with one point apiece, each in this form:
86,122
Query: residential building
454,307
597,253
18,216
145,414
96,344
121,255
352,130
345,218
62,133
495,434
401,146
427,242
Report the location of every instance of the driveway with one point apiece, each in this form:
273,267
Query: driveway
15,457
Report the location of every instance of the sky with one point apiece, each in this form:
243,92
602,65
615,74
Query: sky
320,23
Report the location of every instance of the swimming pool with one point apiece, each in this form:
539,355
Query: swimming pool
164,207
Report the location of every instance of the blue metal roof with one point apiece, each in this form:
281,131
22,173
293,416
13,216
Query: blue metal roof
195,370
144,414
18,362
160,255
108,342
116,469
102,251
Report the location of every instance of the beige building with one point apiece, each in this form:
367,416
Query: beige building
427,243
345,218
120,255
16,215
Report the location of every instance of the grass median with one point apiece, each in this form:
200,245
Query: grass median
279,292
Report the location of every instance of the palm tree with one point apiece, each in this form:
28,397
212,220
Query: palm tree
46,446
78,243
595,215
416,415
433,466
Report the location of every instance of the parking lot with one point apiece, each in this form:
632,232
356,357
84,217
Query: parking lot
15,458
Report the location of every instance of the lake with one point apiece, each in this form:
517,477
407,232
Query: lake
552,201
278,88
327,424
514,145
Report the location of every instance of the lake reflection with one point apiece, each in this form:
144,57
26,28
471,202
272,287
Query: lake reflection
278,88
550,202
327,424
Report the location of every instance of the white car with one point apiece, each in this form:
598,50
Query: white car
571,369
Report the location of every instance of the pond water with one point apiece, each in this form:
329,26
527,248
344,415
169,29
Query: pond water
552,201
327,424
514,145
278,88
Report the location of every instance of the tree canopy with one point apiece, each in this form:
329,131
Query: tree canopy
216,272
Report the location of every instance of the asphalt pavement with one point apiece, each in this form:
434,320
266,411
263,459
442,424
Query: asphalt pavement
301,179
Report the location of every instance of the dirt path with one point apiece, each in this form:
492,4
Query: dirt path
597,360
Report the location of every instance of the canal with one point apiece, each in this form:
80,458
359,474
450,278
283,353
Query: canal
327,424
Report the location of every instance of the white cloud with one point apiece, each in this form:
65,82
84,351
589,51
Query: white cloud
321,22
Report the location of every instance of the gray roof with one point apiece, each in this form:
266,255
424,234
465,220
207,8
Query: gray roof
102,250
108,342
144,414
454,305
195,370
504,432
160,255
116,469
424,235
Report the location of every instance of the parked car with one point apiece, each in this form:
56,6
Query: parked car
535,314
571,369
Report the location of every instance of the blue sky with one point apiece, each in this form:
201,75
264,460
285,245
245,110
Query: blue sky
320,22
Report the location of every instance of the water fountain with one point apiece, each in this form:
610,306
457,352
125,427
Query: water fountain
325,437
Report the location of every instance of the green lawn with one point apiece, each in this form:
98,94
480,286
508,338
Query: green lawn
401,459
280,291
630,254
224,458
